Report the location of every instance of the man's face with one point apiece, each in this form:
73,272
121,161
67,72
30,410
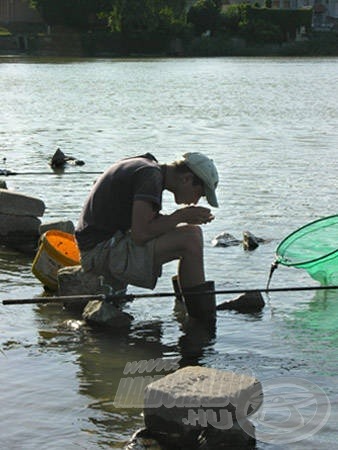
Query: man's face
186,192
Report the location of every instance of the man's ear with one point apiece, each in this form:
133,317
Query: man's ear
186,178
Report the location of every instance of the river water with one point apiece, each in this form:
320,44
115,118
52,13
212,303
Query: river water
271,126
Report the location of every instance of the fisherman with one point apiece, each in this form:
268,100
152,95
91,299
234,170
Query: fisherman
123,236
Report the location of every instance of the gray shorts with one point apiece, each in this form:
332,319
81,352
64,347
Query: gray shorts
122,262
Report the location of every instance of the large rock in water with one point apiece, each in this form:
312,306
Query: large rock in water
199,401
19,223
72,280
20,204
19,232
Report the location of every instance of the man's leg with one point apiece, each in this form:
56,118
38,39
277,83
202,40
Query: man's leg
186,244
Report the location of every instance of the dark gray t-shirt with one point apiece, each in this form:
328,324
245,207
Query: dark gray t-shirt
109,205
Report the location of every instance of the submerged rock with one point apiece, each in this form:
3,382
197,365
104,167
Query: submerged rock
247,303
142,440
98,312
225,240
59,160
249,241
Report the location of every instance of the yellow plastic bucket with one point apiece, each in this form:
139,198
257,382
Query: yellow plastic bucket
57,249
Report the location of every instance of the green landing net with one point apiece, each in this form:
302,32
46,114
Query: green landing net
313,247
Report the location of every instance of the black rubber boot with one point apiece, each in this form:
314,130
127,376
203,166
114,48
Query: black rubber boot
200,305
177,288
250,302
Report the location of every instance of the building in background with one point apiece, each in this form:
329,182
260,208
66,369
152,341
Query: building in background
325,12
18,11
20,21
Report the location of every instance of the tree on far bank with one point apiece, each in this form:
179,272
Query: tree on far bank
205,15
72,13
128,16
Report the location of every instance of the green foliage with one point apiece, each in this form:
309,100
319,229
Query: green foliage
287,20
72,13
4,32
265,25
129,16
262,32
205,15
234,17
152,26
147,25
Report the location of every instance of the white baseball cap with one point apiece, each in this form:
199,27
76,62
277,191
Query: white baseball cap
205,169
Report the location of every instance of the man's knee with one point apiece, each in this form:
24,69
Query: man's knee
193,238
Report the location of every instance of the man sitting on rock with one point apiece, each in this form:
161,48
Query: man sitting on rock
123,236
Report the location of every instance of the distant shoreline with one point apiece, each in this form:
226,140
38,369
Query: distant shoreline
83,45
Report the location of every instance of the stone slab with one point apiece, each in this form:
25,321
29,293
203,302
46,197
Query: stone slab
11,223
19,232
195,398
66,226
20,204
72,280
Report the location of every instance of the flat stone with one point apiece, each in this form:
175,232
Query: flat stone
194,398
20,204
14,223
66,226
98,312
19,232
72,280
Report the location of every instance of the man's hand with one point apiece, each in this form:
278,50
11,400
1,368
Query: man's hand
147,224
196,215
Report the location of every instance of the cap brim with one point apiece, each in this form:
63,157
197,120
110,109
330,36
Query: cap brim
211,197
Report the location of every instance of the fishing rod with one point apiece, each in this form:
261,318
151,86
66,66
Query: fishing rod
7,173
115,298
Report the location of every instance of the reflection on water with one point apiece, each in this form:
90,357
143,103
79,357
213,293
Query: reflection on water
102,358
313,330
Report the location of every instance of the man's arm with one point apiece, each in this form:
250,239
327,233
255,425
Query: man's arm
147,224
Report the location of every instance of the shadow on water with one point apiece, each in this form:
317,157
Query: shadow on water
104,354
